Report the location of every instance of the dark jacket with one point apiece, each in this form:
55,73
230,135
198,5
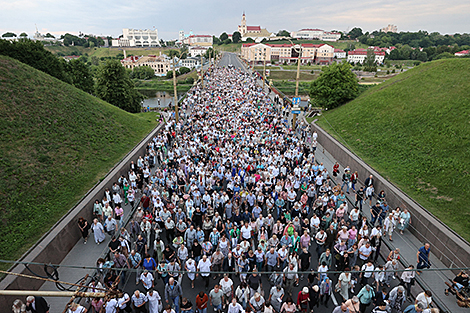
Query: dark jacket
227,267
40,304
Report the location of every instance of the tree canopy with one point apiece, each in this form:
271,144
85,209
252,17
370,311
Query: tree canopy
114,86
81,76
335,86
236,37
283,33
8,35
142,72
34,54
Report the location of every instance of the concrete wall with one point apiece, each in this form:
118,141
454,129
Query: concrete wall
447,246
62,237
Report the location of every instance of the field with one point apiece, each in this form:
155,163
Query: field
415,130
56,142
103,52
289,87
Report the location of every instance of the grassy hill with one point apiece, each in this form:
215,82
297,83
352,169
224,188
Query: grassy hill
415,130
56,142
104,52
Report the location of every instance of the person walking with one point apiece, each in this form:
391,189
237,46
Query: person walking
423,257
173,292
37,304
365,295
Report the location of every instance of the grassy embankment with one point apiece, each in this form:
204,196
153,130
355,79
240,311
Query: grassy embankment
56,142
415,130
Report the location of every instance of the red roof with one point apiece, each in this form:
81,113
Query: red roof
257,28
463,52
364,52
339,50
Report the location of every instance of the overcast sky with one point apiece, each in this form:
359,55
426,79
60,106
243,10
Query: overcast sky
109,17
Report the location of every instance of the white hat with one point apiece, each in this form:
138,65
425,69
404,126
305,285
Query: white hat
305,290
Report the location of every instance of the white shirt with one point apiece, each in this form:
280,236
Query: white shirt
246,232
121,301
237,308
226,285
111,306
147,280
424,300
204,267
368,270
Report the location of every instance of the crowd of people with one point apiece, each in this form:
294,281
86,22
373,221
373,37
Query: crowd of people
231,194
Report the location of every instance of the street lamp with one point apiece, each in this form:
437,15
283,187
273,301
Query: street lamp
299,51
174,88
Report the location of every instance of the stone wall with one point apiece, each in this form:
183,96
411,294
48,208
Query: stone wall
62,237
449,247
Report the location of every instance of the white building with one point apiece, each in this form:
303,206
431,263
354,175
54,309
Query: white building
340,54
199,40
307,33
330,36
359,55
160,64
137,38
315,33
197,51
254,32
190,63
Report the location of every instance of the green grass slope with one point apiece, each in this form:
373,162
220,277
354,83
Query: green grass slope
415,130
56,142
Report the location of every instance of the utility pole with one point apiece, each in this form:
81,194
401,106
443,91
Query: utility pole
202,74
264,68
174,90
299,51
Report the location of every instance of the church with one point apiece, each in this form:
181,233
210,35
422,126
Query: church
254,32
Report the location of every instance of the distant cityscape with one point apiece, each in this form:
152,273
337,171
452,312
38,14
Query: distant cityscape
258,46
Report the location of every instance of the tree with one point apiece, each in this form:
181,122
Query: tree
283,33
223,36
369,62
216,40
49,35
114,86
9,35
355,33
227,41
183,70
250,40
81,76
142,72
34,54
335,86
169,74
236,37
23,35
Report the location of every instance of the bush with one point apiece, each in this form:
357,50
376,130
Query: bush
183,70
393,71
189,80
388,71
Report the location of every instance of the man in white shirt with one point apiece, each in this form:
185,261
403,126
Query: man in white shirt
124,303
364,252
226,284
425,298
204,266
147,280
111,306
246,231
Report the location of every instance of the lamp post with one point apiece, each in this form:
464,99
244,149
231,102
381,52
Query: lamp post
299,51
202,73
174,88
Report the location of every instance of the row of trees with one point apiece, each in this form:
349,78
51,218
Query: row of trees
420,39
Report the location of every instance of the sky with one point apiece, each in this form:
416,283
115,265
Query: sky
106,17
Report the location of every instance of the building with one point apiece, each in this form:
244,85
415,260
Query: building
339,54
196,51
190,63
315,34
160,64
199,40
462,53
390,29
137,38
307,33
257,53
359,55
254,32
330,36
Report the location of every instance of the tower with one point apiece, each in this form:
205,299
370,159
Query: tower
243,25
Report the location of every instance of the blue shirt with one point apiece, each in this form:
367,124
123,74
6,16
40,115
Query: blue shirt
423,253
